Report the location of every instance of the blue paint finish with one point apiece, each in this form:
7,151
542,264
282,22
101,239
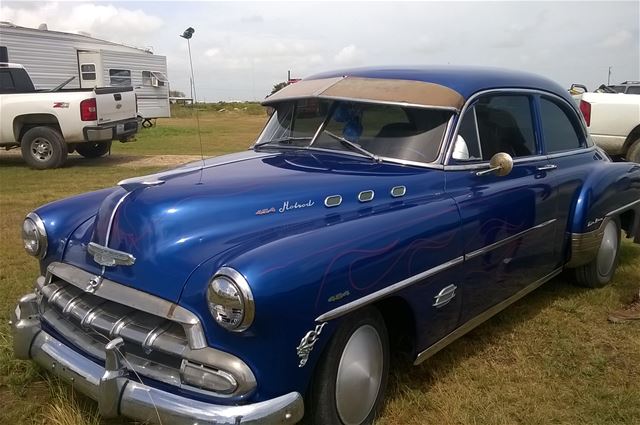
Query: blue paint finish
63,216
263,214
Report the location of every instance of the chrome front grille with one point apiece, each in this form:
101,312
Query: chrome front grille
108,319
154,346
162,340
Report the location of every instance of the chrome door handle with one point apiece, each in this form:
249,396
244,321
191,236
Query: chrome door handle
547,167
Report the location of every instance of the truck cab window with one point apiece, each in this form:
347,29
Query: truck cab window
6,82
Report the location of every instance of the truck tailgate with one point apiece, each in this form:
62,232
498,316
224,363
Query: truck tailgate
115,104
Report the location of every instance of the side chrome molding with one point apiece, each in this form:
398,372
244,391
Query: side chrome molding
478,320
368,299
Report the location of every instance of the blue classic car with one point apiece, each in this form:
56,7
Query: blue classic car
380,210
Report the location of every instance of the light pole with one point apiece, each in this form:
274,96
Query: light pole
187,34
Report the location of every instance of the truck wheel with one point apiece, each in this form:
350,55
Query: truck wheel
43,147
350,381
633,154
600,271
93,150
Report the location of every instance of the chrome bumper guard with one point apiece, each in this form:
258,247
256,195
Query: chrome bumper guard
118,395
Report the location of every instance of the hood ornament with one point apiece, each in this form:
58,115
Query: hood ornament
109,257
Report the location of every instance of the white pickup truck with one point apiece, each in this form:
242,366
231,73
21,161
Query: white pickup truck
613,120
47,125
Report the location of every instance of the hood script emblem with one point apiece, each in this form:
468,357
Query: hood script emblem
110,257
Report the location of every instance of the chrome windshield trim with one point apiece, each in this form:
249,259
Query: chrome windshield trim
136,299
387,102
507,240
623,208
483,317
374,296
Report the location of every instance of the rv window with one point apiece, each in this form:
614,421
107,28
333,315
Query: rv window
146,78
88,71
155,79
119,77
160,76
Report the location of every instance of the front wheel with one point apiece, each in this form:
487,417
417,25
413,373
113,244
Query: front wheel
93,150
350,381
600,271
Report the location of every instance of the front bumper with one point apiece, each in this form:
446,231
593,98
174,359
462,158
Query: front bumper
118,395
112,131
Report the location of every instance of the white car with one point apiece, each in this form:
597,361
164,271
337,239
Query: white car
613,120
47,125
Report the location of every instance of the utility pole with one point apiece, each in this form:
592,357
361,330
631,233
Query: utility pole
609,77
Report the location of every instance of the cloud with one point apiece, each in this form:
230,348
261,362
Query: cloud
616,39
101,21
349,55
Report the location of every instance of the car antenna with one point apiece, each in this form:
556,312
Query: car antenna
187,34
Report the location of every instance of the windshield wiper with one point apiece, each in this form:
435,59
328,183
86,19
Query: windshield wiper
353,146
283,140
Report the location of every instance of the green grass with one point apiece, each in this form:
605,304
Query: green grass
551,358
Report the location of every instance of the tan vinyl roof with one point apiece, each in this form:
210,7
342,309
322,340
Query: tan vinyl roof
371,89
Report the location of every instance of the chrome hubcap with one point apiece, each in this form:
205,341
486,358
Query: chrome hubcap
608,249
41,149
359,375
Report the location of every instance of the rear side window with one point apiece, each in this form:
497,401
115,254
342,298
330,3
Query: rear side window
505,124
119,77
558,130
633,90
6,82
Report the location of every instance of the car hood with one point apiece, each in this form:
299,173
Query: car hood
171,222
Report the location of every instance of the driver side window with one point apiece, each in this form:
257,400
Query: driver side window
498,123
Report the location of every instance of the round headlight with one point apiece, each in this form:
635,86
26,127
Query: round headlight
230,300
34,236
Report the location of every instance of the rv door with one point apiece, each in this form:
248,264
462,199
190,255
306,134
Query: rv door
90,67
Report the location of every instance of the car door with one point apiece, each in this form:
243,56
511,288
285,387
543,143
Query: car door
568,154
508,222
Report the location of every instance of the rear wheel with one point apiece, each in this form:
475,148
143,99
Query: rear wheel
350,381
93,149
600,271
633,154
43,147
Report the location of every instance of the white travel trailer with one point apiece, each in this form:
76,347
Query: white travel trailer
51,57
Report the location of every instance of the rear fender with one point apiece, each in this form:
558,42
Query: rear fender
611,190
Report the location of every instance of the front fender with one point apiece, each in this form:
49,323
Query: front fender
297,278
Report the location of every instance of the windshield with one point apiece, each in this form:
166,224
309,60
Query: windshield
367,129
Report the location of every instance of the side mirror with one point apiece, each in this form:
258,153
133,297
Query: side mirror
501,164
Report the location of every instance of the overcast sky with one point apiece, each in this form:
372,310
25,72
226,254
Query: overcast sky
242,49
